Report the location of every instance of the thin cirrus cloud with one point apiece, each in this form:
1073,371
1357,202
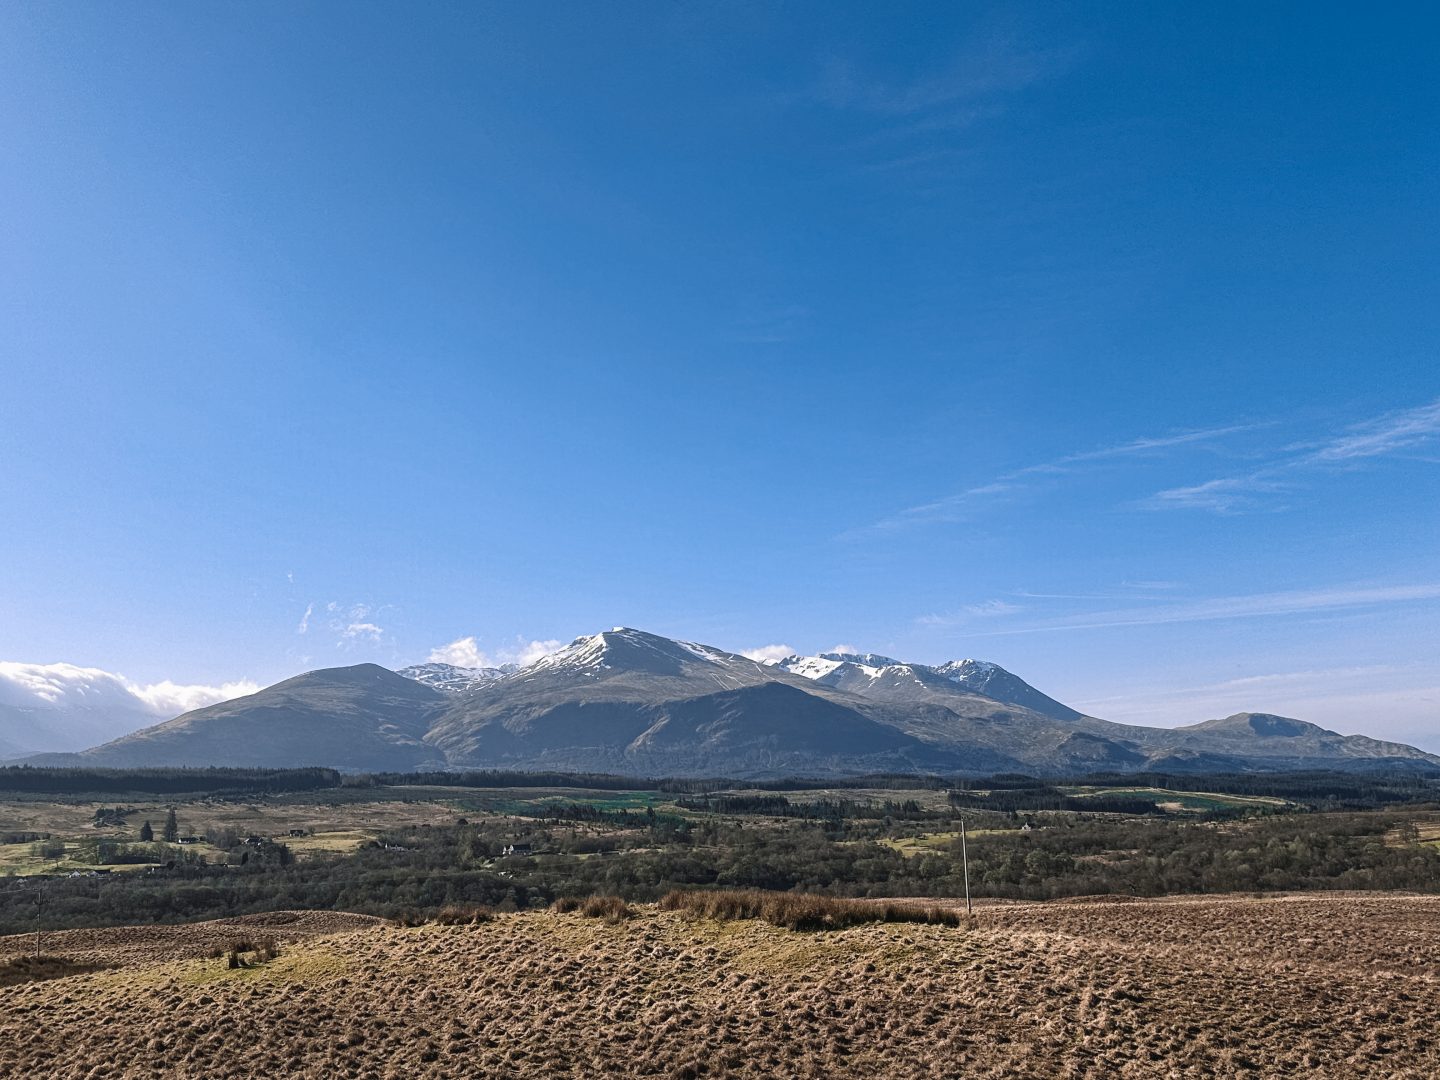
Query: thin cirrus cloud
1258,605
960,505
915,123
1387,435
352,624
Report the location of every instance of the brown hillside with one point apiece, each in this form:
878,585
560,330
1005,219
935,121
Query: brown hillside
1329,986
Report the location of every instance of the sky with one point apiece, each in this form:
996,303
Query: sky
1097,340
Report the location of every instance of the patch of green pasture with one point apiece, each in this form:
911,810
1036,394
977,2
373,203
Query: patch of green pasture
1187,800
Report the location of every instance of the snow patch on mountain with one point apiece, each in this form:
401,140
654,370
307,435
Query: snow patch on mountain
454,678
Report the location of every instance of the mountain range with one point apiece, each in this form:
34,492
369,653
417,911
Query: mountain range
629,702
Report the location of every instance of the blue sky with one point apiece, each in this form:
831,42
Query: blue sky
1098,340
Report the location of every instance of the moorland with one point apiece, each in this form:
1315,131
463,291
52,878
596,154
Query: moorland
311,923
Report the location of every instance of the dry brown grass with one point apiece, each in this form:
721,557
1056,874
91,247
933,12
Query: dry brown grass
610,908
802,911
24,969
464,915
1315,986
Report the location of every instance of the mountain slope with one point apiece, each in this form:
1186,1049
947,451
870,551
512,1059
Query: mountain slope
455,679
362,717
992,680
1280,742
629,702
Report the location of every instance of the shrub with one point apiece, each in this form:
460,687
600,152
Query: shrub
610,908
464,915
801,911
563,904
259,950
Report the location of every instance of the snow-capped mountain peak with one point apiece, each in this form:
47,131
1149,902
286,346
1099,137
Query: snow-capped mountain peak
972,673
870,660
453,678
625,648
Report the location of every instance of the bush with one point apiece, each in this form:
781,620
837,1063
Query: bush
801,911
610,908
464,915
562,904
243,952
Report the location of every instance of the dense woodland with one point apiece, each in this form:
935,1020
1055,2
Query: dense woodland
1331,790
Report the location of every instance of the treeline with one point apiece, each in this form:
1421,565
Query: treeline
1018,799
425,868
815,809
30,780
1320,790
502,778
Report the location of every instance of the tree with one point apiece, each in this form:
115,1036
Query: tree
172,827
147,834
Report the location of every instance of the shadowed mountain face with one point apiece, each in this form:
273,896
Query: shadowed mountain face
629,702
362,717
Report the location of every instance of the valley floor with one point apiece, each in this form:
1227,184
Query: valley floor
1330,985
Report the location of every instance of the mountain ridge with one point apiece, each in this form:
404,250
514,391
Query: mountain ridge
637,703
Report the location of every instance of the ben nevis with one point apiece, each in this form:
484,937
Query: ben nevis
633,703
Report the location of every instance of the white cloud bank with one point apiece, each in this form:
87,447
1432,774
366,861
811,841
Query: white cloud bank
768,654
466,652
54,707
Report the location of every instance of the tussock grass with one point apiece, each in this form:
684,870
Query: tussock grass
1333,986
464,915
564,904
246,951
610,908
801,911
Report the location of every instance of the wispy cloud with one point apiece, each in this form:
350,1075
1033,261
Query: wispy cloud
1382,435
352,624
303,627
985,67
914,124
962,504
1226,495
1386,435
992,608
1257,605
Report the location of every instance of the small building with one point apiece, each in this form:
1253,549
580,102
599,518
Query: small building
517,849
299,832
189,839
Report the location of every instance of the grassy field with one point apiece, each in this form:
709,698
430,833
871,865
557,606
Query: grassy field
329,828
1323,986
1175,802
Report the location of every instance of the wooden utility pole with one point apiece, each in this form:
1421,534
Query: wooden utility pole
39,912
965,859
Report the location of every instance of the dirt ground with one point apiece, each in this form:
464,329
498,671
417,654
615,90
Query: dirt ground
1325,986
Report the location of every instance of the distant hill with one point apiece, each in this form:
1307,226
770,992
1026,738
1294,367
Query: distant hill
629,702
362,717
